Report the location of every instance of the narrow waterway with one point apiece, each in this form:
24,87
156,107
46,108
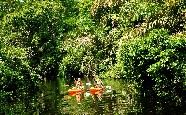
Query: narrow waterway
53,99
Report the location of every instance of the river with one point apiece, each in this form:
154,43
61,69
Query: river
53,99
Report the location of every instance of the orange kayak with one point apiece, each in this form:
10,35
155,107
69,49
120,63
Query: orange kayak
73,92
94,90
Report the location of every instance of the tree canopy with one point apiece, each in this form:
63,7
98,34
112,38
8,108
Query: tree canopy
138,41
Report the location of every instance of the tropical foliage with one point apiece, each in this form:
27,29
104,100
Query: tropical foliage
138,41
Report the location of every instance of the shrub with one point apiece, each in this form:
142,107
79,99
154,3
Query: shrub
157,62
36,27
28,47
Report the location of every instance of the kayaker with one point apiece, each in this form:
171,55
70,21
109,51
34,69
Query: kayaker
98,83
79,84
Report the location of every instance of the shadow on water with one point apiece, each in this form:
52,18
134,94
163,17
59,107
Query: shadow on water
53,99
49,96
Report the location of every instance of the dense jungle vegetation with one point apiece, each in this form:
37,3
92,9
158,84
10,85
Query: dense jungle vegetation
139,41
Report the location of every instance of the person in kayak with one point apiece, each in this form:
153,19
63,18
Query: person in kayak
98,83
78,83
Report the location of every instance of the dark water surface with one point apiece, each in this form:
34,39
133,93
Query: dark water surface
53,99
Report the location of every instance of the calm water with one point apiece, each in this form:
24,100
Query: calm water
120,100
53,99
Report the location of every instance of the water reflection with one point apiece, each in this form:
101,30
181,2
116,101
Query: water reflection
120,100
55,99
